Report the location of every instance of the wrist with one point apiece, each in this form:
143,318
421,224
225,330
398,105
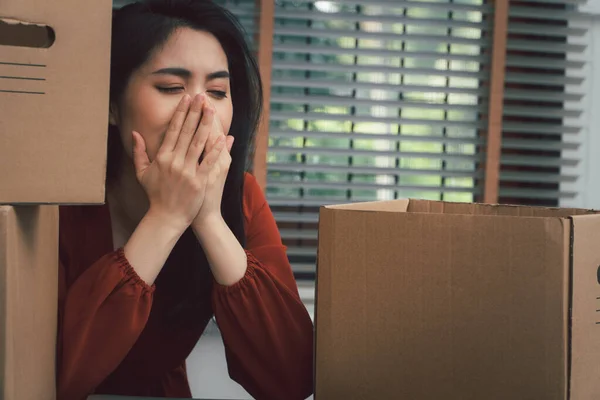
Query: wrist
164,223
206,223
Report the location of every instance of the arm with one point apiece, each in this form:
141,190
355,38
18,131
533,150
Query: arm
225,255
103,312
267,332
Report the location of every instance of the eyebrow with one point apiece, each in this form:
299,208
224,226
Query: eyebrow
180,72
217,75
186,73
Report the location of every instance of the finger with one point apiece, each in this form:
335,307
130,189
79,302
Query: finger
229,142
189,127
140,157
201,137
175,125
216,131
211,158
217,121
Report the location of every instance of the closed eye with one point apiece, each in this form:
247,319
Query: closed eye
218,94
170,89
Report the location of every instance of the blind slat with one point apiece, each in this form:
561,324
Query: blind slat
543,30
547,47
313,116
371,68
539,95
544,13
335,50
358,170
390,137
372,186
388,153
380,37
543,79
338,84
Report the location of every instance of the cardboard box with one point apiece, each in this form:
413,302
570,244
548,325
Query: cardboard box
54,100
431,300
28,302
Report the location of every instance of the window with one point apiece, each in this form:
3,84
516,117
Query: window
373,101
377,100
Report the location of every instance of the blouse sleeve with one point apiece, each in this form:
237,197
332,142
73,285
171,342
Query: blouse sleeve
101,315
266,329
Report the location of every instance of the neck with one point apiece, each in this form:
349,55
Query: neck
127,199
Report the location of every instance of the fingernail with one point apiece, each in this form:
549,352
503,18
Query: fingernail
185,98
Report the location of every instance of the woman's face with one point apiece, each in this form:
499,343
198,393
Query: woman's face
190,62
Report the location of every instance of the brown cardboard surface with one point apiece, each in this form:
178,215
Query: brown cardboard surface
54,104
444,301
28,301
585,334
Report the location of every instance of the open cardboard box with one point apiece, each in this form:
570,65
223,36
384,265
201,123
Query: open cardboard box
54,85
430,300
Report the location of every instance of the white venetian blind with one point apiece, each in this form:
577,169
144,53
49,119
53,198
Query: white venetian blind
543,93
247,12
374,100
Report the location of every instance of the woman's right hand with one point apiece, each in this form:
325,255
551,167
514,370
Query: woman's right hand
174,181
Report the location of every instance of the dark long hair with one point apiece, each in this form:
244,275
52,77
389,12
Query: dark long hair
138,30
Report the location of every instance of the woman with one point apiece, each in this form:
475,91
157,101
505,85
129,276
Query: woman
185,234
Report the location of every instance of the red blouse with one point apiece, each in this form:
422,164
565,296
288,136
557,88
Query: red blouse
111,342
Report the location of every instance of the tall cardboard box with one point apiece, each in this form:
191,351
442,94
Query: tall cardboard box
28,302
430,300
54,85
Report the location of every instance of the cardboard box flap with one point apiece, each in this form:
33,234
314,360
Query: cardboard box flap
386,206
585,322
439,207
54,102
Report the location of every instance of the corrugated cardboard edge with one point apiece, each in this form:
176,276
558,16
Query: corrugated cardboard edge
4,211
443,207
325,216
584,354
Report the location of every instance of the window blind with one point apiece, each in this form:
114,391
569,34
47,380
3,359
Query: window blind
374,100
543,99
247,12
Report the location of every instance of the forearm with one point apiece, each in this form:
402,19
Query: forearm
149,246
225,255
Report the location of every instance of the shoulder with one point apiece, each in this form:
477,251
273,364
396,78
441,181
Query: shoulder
84,232
254,199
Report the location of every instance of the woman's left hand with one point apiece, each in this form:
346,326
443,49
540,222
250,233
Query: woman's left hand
211,207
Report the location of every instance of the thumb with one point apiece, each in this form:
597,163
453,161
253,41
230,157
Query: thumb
140,157
229,142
